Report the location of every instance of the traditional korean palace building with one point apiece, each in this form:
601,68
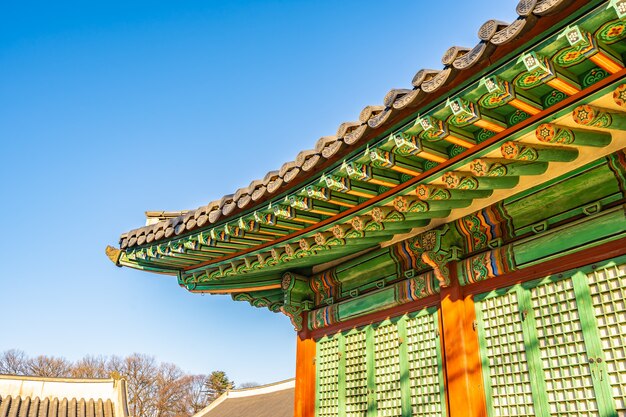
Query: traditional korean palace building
31,396
460,250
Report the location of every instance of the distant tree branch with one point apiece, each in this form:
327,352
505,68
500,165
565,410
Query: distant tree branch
154,389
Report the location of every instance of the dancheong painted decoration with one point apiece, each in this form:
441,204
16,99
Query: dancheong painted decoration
460,250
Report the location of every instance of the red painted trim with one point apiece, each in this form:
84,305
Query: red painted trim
565,263
439,168
376,317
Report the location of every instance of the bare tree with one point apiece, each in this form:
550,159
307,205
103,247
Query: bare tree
197,393
49,366
13,362
114,366
154,390
140,372
171,384
248,385
91,367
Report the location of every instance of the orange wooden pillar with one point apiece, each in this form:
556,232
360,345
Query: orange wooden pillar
305,375
464,381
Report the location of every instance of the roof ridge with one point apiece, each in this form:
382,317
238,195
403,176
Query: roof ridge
55,379
263,386
58,397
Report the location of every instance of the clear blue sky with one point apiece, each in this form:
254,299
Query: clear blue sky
111,108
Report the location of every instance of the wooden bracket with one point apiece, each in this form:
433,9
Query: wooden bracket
438,261
295,315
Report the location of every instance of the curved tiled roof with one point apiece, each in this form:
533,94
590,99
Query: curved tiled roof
62,397
272,400
397,104
27,406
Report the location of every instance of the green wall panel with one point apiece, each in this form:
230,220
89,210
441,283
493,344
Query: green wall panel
391,368
425,366
505,364
564,357
327,392
387,370
556,346
356,374
608,295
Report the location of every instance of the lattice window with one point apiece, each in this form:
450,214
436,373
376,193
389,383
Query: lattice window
356,375
511,393
387,370
422,346
328,377
562,349
608,295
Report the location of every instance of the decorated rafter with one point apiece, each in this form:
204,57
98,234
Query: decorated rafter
467,113
431,129
551,133
583,45
541,70
501,92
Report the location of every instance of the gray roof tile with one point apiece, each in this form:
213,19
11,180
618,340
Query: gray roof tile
16,406
275,400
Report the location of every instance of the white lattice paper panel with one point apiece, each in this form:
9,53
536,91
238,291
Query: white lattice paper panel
387,370
608,294
422,345
356,375
328,377
562,349
506,355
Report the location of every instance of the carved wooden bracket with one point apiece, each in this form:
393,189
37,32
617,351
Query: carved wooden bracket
296,289
298,297
295,315
439,262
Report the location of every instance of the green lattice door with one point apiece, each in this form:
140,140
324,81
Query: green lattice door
556,347
391,368
327,369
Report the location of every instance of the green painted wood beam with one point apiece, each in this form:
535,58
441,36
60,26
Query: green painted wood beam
432,129
409,204
586,231
579,190
592,116
167,262
458,180
551,133
438,192
486,167
527,152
